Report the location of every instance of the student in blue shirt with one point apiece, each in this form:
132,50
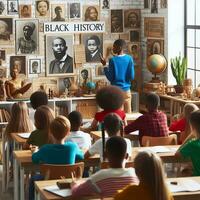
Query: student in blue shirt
120,71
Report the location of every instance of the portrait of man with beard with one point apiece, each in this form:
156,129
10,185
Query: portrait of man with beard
63,63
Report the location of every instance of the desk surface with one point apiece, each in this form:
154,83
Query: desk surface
177,196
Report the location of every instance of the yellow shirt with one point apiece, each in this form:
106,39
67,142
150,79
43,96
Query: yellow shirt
136,192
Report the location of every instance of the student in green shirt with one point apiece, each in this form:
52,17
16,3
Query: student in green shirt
191,149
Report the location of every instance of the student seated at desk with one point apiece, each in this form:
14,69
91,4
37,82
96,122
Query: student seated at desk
182,124
191,149
153,123
106,182
43,117
152,186
82,139
112,125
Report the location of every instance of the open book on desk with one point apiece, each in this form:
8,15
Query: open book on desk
24,135
185,185
54,189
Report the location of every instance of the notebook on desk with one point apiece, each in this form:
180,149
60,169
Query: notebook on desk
54,189
24,135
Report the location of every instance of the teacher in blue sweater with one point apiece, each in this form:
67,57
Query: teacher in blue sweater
120,71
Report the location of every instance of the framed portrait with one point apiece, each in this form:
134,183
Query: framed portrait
34,66
65,84
26,36
93,46
116,21
99,71
85,75
58,12
154,27
42,9
135,35
74,10
132,18
59,55
2,8
155,46
18,62
2,54
25,11
146,4
91,13
163,3
12,7
3,71
6,30
105,4
135,51
154,6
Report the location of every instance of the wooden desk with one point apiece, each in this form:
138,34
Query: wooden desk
177,196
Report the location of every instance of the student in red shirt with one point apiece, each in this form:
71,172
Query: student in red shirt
153,123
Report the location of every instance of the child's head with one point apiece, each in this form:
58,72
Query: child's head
93,43
42,7
112,124
188,109
43,117
38,98
60,128
195,123
152,101
75,119
118,46
116,151
149,169
110,98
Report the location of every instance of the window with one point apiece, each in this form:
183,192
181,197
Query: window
192,39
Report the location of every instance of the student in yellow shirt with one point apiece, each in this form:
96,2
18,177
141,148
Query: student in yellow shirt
149,169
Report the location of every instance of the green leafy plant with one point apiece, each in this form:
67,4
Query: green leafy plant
179,69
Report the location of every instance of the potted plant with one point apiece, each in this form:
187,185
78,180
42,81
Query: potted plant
179,69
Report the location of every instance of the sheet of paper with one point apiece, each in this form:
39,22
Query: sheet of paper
60,192
158,149
24,135
134,133
79,54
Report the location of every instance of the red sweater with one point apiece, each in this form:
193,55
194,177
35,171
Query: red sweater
178,125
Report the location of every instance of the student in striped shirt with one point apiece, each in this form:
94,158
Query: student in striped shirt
106,182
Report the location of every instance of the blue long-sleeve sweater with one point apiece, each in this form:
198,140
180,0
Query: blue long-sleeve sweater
120,71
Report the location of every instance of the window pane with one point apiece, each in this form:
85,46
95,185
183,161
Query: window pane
197,78
190,12
198,38
190,57
190,74
198,59
190,37
197,12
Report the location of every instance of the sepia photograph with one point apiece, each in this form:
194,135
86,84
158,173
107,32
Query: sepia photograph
65,84
6,29
19,63
25,11
91,13
12,7
134,51
99,71
34,66
42,8
105,4
2,8
163,3
155,47
74,10
58,12
132,18
27,36
116,21
2,54
146,4
135,35
85,75
59,55
93,46
154,6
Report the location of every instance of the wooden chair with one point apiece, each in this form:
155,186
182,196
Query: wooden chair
156,141
51,172
105,165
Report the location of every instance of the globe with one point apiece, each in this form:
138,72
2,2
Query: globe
90,85
156,64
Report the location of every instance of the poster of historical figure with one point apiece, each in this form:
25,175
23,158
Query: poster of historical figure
132,18
93,46
105,4
34,66
154,6
27,36
74,10
163,3
25,11
91,13
6,30
155,46
116,21
42,9
18,62
12,7
59,55
2,8
58,12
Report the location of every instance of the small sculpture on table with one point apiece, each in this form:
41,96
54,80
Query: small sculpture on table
84,75
15,88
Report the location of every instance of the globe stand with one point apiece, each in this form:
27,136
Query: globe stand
155,79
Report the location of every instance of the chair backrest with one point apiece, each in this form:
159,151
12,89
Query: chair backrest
105,165
50,171
156,141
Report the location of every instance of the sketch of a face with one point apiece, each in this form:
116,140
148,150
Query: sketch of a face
35,67
91,14
42,8
84,74
59,48
2,7
67,83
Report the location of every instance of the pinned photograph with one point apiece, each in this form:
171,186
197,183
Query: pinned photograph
59,55
18,62
91,13
65,84
25,11
6,29
34,66
135,35
134,51
27,36
154,6
163,3
2,8
116,21
12,7
155,47
99,71
2,55
146,4
74,10
58,12
105,4
132,18
42,9
93,47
